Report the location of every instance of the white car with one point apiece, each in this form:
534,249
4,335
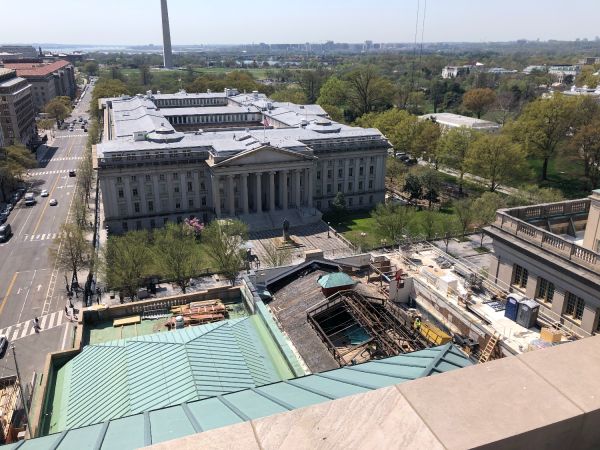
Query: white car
44,193
53,202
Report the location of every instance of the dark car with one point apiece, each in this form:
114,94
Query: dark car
3,344
71,173
5,232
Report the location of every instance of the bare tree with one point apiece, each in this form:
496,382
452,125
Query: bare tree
275,257
71,251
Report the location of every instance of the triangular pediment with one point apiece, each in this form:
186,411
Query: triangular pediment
265,155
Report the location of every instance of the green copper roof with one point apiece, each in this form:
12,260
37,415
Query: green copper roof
172,422
116,379
337,279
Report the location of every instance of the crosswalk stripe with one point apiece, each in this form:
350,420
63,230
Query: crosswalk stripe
6,332
32,238
15,334
43,236
51,320
60,319
43,323
25,330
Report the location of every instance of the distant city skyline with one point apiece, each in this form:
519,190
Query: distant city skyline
138,22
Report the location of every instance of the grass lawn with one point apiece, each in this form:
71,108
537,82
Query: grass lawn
565,172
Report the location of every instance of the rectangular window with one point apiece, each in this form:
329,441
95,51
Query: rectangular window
361,171
148,178
360,185
575,306
136,207
350,201
121,193
329,174
191,203
339,189
545,290
177,205
133,178
370,184
125,226
520,276
340,173
161,177
152,223
134,192
329,188
202,186
203,201
188,174
350,187
360,200
150,206
318,175
190,186
176,176
351,171
371,170
370,199
176,189
119,180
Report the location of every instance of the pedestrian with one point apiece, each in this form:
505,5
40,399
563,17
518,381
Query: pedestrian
418,324
66,311
36,325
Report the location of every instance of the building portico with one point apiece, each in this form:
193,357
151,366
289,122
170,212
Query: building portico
242,186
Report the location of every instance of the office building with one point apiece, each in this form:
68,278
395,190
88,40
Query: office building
17,118
47,80
551,253
455,71
249,157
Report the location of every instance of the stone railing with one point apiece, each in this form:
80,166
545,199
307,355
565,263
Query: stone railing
549,241
566,208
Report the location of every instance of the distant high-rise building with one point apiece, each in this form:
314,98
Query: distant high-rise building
167,52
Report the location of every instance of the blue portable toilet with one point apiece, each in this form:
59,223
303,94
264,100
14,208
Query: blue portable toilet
512,306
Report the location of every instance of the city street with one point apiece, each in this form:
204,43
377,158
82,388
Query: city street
30,284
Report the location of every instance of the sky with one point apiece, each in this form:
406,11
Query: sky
114,22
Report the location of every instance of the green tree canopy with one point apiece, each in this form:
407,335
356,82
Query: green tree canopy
223,240
485,208
479,100
453,149
57,109
392,221
14,163
543,125
177,254
495,158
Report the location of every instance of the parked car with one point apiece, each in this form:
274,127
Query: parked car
44,193
71,173
3,218
53,202
3,344
5,232
29,199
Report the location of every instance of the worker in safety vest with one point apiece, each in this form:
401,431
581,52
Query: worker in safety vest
418,324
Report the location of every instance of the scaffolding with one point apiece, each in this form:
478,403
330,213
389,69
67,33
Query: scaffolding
388,335
10,402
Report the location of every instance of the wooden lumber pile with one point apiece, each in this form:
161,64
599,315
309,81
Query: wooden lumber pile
198,313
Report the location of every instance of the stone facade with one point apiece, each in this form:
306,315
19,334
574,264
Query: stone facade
16,109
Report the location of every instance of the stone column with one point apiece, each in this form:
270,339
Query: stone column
271,191
309,187
284,188
217,194
231,194
297,199
258,192
244,182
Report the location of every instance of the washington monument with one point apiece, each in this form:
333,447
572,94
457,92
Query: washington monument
167,52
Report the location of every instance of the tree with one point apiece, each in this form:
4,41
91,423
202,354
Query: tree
586,144
70,250
428,221
333,97
338,205
392,221
413,186
91,68
543,125
14,162
367,91
177,254
276,257
479,100
485,208
56,109
495,158
127,261
289,94
223,240
448,225
45,124
465,214
310,82
399,126
395,169
432,183
425,143
534,195
453,149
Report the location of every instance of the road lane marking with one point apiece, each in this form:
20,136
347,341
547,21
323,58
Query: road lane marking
46,204
27,295
25,330
43,322
10,286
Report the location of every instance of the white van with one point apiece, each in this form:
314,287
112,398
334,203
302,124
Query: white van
29,199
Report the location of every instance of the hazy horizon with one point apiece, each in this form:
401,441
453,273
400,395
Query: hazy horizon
137,22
